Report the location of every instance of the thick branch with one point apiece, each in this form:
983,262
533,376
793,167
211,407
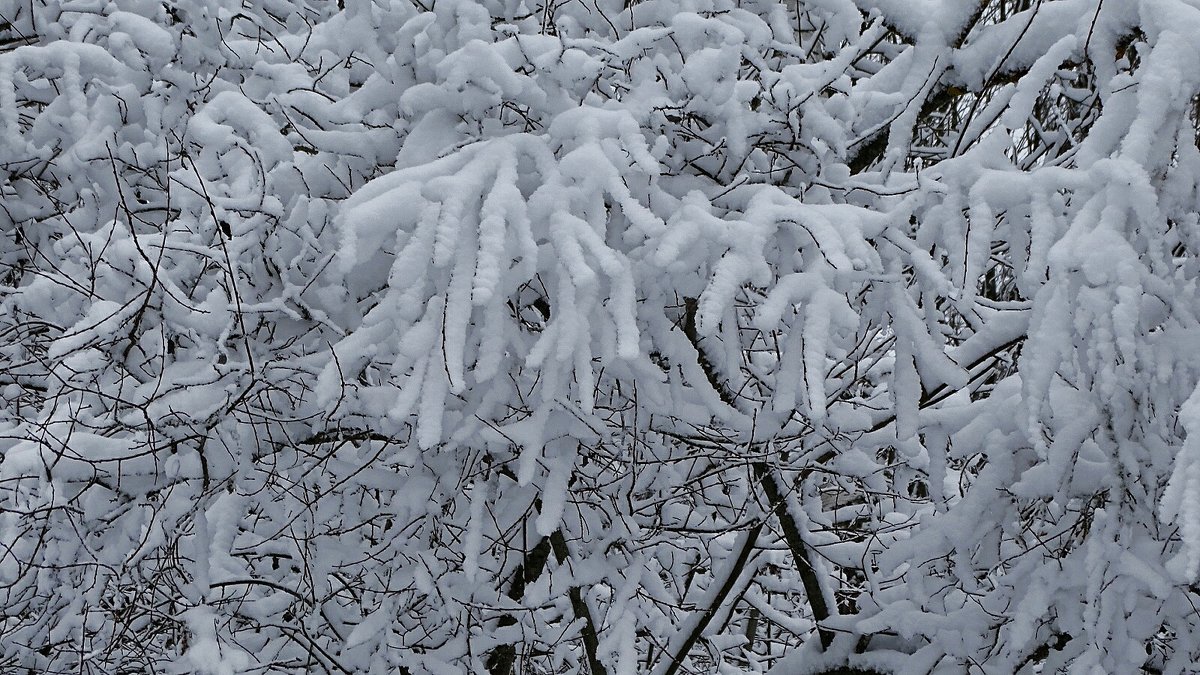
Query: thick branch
502,658
777,496
717,599
773,486
591,642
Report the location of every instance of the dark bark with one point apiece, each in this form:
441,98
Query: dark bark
502,659
777,499
591,642
773,485
722,593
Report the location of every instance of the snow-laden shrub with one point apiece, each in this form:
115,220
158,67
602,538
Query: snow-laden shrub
608,337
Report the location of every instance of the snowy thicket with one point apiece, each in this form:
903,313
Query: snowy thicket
660,336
